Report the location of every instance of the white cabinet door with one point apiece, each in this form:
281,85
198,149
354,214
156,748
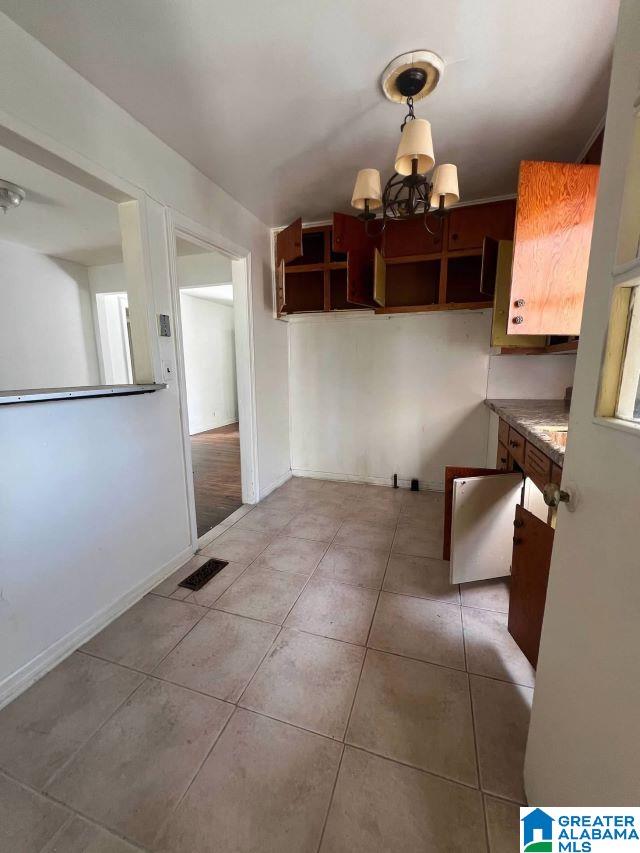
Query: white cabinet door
483,513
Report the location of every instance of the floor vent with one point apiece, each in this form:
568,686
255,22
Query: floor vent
201,576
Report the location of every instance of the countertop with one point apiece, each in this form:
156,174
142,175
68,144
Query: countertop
538,421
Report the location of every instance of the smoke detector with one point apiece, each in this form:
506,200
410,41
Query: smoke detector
11,195
412,75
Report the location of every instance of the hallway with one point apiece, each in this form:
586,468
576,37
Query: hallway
328,691
216,475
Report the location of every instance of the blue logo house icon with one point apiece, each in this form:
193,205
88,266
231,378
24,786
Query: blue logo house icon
537,832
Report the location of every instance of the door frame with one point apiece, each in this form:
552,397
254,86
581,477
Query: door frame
181,226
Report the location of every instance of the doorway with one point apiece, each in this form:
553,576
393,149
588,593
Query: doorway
212,310
207,326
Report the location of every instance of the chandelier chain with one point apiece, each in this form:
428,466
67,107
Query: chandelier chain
410,116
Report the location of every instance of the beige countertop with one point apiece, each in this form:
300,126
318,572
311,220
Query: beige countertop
542,422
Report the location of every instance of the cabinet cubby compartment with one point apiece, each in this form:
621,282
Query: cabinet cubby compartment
338,285
463,279
305,291
412,283
312,249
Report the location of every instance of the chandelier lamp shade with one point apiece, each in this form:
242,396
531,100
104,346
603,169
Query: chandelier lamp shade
418,186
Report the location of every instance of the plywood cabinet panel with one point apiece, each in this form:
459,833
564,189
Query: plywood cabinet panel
532,547
452,473
482,526
554,221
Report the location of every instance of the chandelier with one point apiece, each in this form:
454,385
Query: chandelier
416,187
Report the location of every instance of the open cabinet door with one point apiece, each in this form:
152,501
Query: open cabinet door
501,297
451,473
483,512
288,248
350,236
379,279
532,546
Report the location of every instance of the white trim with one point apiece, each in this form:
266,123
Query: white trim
365,314
632,427
20,680
425,485
626,275
178,225
592,139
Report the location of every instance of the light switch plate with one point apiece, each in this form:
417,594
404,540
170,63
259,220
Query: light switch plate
164,325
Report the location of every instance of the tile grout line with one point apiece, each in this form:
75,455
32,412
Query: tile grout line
73,812
52,777
48,845
475,739
163,823
355,693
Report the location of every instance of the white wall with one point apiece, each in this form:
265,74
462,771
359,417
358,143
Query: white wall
46,326
530,377
208,340
377,395
371,396
74,553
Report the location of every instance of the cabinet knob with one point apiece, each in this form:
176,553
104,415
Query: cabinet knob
518,522
519,303
517,540
454,236
518,319
513,443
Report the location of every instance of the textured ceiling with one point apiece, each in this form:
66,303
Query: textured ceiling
279,102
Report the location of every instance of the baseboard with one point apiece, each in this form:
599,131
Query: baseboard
16,683
425,485
275,484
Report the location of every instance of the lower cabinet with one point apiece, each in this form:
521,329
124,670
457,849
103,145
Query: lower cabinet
532,545
488,533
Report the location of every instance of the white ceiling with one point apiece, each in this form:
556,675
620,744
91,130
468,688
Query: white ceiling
279,102
59,217
220,293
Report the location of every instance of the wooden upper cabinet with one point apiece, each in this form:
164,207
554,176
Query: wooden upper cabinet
554,221
468,226
288,248
405,237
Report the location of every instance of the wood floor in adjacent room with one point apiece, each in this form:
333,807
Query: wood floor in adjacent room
216,475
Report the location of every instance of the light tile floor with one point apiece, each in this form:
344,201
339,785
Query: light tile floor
328,691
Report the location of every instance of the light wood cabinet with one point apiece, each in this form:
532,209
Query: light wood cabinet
501,296
554,221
